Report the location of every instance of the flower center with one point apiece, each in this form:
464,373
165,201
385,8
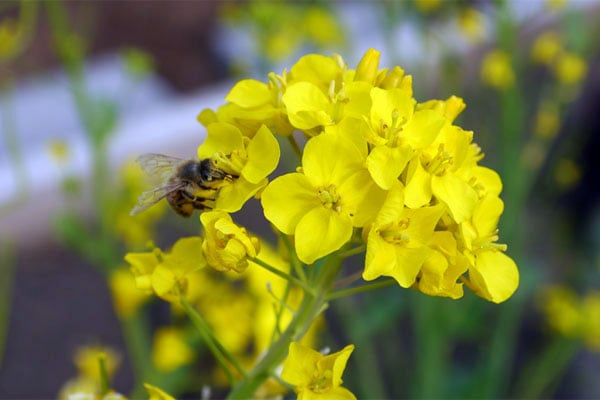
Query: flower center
321,383
330,198
395,232
485,243
441,162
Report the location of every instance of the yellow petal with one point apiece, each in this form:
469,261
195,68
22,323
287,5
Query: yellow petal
423,128
232,197
418,185
320,232
263,156
495,275
307,106
487,214
361,198
380,257
249,93
387,163
221,137
299,366
458,195
390,103
408,264
287,199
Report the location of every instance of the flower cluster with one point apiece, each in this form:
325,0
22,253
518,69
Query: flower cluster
378,161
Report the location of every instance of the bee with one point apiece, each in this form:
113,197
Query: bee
187,185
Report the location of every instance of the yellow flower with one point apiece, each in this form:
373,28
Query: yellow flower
497,71
471,24
10,38
167,274
314,375
547,120
570,68
492,274
321,204
87,361
427,6
322,26
227,246
126,297
397,243
170,350
250,159
546,47
154,393
567,173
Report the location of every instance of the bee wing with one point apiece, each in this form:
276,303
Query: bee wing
151,197
158,165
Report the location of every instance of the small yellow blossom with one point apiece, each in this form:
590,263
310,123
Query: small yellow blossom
471,24
167,274
314,375
10,38
427,6
250,159
497,71
59,151
555,5
170,350
546,48
570,68
154,393
567,173
126,297
547,120
572,315
87,361
227,246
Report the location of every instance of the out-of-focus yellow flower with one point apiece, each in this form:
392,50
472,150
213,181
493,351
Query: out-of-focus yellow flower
314,375
154,393
126,297
427,6
573,316
322,27
547,120
10,38
137,231
497,71
170,350
546,48
227,246
567,173
59,151
87,361
167,274
555,5
570,68
88,382
471,23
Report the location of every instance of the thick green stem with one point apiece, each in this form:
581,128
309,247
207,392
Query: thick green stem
309,309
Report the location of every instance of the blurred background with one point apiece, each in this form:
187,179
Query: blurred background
88,86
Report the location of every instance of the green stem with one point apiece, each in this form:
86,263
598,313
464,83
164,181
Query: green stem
360,289
7,271
104,384
430,347
283,275
295,146
135,333
11,140
546,368
309,309
221,354
352,252
296,264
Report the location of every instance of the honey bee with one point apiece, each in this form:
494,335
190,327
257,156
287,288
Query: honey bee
187,185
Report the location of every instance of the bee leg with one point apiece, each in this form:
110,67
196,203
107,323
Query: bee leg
198,203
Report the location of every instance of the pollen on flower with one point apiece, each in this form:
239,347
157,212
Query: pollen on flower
330,198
